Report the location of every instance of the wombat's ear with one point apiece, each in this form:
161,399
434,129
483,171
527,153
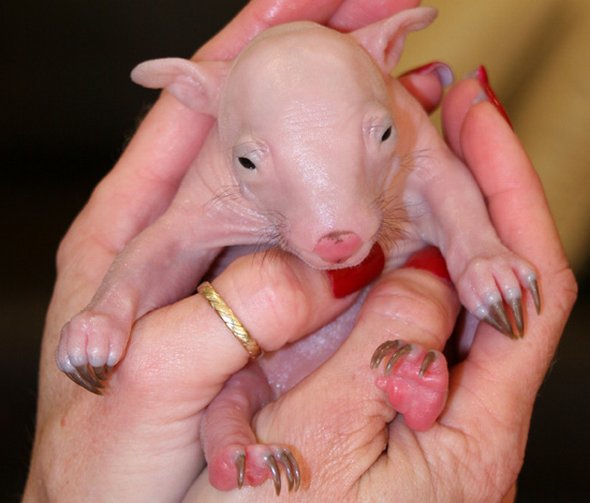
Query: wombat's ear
384,40
195,85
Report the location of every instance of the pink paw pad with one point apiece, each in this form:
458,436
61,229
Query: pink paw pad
236,466
415,380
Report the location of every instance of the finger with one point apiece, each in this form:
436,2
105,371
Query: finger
258,16
353,14
511,187
517,206
502,374
426,83
508,180
456,103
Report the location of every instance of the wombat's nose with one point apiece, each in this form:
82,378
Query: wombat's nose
338,246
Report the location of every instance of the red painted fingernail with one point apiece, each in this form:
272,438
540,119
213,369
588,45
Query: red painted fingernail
349,280
429,259
481,75
442,70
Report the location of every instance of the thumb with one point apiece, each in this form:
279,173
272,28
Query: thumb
493,391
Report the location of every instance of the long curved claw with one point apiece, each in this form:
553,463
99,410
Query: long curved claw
400,349
79,380
274,470
291,469
241,469
273,458
296,472
286,462
427,362
517,313
396,356
101,373
534,289
498,318
87,379
382,350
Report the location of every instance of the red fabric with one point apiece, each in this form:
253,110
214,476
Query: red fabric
429,259
349,280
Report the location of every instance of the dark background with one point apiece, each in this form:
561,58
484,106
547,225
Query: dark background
67,107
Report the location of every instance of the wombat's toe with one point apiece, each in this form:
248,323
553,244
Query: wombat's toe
90,345
415,381
236,466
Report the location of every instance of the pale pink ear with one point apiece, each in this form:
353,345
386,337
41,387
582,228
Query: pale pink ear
384,40
195,85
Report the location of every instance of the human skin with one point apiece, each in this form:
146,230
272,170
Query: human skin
124,446
475,450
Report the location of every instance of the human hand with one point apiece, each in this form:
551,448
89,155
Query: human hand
121,445
475,450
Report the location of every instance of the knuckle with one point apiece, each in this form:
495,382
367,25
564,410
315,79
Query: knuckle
419,301
269,297
285,300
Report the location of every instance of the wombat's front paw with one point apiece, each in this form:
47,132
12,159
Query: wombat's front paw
489,284
416,381
235,466
90,345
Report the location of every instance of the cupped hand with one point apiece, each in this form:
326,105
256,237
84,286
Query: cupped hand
355,447
140,441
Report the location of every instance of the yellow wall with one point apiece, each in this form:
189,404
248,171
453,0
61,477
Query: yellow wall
537,53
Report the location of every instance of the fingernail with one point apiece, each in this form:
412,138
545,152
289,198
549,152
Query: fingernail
349,280
481,75
442,70
429,259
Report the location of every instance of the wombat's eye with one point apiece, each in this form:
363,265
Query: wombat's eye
386,134
247,163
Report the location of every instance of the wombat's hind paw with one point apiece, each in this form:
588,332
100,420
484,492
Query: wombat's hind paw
415,381
252,465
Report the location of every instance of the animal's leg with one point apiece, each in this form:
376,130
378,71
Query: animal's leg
415,381
492,281
234,456
161,265
413,372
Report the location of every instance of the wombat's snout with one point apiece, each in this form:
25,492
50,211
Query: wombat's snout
338,246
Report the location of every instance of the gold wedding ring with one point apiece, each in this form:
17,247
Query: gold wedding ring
229,318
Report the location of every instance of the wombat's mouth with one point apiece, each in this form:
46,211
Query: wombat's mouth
351,279
317,262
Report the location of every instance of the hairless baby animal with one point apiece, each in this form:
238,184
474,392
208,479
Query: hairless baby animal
317,150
